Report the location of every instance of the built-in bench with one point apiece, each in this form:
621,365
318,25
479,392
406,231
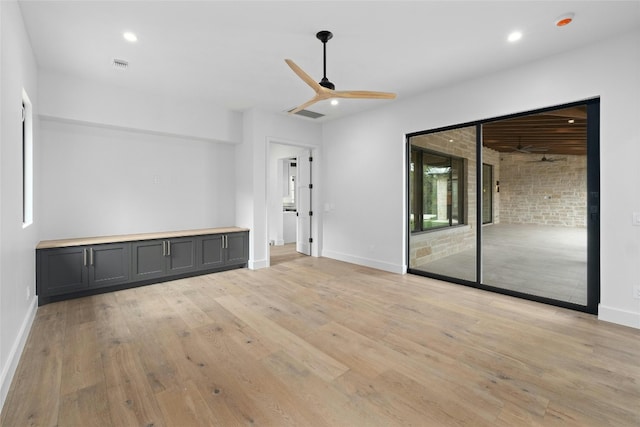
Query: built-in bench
72,268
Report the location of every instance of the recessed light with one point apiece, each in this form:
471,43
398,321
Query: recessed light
130,37
564,20
571,121
335,102
514,36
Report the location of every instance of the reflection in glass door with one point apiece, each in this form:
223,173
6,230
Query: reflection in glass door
442,203
487,193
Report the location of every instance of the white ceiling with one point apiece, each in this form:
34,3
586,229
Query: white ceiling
232,53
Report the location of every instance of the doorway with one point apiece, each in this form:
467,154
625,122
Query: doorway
537,206
289,201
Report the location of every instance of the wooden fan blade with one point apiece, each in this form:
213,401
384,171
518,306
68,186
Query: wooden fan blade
362,94
304,76
323,93
305,105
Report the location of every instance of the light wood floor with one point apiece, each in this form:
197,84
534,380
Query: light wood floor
283,253
316,342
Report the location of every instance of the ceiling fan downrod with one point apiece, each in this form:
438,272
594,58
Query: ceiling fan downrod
324,37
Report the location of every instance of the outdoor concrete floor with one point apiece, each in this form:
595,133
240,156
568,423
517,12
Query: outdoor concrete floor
534,259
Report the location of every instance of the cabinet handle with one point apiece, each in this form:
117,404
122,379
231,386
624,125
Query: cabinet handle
164,248
226,241
90,256
168,247
84,257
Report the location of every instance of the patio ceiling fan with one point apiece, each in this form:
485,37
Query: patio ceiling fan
528,149
546,159
325,89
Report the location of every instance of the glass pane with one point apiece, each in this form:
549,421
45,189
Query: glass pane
442,200
537,243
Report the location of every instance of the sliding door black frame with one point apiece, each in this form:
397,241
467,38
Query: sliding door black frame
593,209
593,206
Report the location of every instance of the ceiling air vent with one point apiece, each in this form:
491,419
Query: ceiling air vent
307,113
120,64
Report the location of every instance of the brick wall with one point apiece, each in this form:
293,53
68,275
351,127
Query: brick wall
543,193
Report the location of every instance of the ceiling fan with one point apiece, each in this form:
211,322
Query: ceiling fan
546,159
325,89
529,149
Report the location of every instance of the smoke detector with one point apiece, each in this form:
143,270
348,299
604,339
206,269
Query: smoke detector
120,64
564,20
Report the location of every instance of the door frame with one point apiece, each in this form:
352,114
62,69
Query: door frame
316,219
593,208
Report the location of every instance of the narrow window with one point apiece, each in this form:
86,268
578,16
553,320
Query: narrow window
487,193
27,162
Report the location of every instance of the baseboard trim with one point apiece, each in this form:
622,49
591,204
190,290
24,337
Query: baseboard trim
621,317
257,265
9,369
380,265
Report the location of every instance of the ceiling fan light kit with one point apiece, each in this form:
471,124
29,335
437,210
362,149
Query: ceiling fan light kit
326,89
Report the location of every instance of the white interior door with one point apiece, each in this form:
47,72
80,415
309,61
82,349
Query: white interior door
303,201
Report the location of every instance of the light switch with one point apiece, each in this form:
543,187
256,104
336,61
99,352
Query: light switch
636,218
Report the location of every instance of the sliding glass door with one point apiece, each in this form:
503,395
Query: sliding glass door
539,246
537,209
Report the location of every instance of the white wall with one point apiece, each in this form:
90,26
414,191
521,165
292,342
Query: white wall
100,181
363,193
118,161
17,272
366,156
252,159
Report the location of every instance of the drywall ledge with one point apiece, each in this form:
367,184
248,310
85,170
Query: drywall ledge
128,129
73,98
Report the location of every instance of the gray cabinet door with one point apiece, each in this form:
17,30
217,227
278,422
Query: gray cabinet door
237,248
62,270
181,255
211,251
148,259
108,264
159,258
